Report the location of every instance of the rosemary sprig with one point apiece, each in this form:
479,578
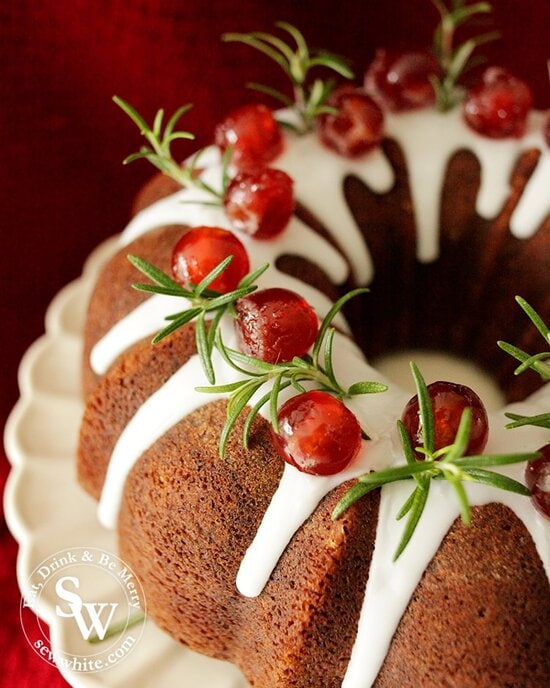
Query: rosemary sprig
536,362
316,369
159,154
454,61
202,301
448,463
309,96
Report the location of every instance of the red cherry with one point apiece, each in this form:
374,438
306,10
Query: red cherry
275,325
356,127
537,478
253,135
317,433
401,81
260,203
448,401
498,107
201,249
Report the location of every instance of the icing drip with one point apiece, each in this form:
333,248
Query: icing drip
304,159
437,136
319,176
296,498
391,585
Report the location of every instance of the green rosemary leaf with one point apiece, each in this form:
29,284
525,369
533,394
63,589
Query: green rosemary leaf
334,62
245,359
425,409
274,402
407,506
464,12
541,421
203,349
255,410
132,113
234,408
246,392
227,354
252,277
328,355
295,382
462,436
175,324
157,123
406,442
415,512
257,40
367,387
143,153
502,482
329,317
390,475
535,318
212,275
352,495
153,272
221,389
493,460
176,136
409,451
230,297
214,323
273,92
167,291
465,509
513,351
175,119
534,362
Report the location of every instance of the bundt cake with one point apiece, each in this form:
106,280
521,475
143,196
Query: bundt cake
242,557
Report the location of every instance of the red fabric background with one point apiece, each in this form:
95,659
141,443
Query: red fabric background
62,187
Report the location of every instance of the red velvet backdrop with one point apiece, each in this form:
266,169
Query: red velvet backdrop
62,187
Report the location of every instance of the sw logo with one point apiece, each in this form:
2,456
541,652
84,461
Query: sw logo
89,616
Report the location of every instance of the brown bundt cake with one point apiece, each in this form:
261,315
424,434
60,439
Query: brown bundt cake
240,557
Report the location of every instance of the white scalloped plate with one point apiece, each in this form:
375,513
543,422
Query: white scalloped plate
47,511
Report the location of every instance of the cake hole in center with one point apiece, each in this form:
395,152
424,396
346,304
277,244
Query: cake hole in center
437,365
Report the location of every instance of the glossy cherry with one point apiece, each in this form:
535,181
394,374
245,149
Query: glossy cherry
448,402
355,127
201,249
498,107
402,80
275,324
253,135
537,478
260,203
317,434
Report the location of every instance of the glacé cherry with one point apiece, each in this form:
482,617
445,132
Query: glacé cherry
275,324
449,400
498,107
201,249
537,479
402,80
253,135
260,203
355,127
317,434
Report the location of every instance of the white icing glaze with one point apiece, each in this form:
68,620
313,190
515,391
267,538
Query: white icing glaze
391,584
437,136
318,174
